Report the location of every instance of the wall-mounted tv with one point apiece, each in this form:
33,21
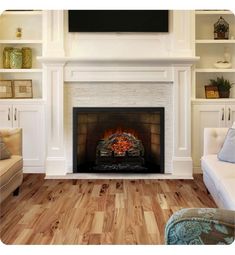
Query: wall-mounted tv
118,20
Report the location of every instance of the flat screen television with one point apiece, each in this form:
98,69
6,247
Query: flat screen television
118,21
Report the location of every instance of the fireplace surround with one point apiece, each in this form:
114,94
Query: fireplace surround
164,82
118,140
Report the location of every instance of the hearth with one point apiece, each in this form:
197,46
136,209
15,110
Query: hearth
118,140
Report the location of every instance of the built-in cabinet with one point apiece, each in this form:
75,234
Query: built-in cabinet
208,115
29,117
27,114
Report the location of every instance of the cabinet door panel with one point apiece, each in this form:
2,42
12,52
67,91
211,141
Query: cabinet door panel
230,111
30,119
204,116
5,116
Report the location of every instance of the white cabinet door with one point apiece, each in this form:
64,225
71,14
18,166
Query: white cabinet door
204,116
30,119
5,116
230,114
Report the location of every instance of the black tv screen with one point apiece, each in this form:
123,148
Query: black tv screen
118,21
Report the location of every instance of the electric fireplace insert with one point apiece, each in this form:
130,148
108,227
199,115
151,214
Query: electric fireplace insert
118,140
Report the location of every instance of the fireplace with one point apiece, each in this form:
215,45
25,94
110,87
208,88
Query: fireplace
118,140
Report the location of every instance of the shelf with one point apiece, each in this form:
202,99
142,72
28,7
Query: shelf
214,12
6,13
214,70
23,100
219,100
33,70
20,41
214,41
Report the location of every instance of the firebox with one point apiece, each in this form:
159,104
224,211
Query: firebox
118,140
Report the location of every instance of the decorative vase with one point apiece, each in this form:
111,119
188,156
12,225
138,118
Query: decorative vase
224,94
16,59
6,57
18,33
26,57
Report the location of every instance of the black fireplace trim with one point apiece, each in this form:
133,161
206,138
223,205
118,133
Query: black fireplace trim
76,110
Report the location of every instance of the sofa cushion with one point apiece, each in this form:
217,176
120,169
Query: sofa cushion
4,152
227,152
9,167
217,169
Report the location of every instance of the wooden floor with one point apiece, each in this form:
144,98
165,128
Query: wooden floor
96,211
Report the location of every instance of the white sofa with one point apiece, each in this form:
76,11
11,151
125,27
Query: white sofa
218,176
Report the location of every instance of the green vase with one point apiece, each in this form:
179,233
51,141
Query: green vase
16,59
26,57
6,57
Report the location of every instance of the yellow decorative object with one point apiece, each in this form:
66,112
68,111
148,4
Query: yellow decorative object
26,57
16,59
6,57
19,33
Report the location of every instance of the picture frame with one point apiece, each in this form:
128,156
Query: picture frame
211,92
22,89
6,89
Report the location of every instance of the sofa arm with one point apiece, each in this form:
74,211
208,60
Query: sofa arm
13,140
201,226
213,140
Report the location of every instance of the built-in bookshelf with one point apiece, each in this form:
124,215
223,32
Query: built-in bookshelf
31,24
210,51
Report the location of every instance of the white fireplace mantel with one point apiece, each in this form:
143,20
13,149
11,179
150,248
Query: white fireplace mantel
174,70
110,60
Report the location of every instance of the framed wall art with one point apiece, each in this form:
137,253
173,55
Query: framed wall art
22,89
6,89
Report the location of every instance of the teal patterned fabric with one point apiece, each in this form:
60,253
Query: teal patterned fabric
201,226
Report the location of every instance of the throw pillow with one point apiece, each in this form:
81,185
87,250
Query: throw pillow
227,152
4,152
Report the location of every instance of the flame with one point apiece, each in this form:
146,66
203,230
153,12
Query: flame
122,143
119,131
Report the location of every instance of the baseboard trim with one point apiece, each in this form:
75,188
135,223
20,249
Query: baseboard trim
56,166
33,170
182,166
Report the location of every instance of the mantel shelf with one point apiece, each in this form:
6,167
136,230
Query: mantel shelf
117,61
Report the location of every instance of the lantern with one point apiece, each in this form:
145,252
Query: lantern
221,29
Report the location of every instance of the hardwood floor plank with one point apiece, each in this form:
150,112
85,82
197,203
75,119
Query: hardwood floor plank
151,223
119,200
97,223
96,211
